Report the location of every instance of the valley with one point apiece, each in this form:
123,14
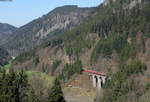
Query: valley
52,53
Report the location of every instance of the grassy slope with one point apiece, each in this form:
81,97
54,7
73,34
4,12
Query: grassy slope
47,79
7,66
41,83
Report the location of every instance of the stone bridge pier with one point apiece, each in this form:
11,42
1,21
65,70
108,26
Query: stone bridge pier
98,81
98,78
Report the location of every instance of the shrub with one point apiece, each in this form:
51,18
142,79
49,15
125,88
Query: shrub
56,94
36,60
70,69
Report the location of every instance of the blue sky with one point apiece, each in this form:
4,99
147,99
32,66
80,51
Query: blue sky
20,12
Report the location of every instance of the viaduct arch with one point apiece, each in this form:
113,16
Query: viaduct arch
98,78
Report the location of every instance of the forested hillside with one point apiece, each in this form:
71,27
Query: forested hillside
114,40
17,87
4,57
48,26
6,30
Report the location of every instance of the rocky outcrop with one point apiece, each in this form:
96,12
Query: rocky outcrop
46,27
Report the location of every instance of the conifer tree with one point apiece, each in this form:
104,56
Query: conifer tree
56,94
13,86
32,97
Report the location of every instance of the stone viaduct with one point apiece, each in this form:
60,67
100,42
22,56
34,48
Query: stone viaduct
98,78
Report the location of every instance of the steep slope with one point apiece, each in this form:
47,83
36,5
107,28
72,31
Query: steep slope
115,40
79,89
4,57
54,23
5,31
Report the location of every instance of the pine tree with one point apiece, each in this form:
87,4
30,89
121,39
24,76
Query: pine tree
32,97
56,94
13,86
21,87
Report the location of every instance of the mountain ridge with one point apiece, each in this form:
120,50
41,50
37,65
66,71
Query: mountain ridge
6,30
55,22
115,40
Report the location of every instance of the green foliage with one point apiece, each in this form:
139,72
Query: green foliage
106,46
3,53
21,87
56,94
52,43
45,68
3,57
14,86
135,67
32,97
56,63
48,80
127,70
127,52
41,84
70,69
7,67
114,20
69,51
114,25
36,60
121,83
25,56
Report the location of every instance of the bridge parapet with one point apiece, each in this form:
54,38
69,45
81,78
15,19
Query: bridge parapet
94,72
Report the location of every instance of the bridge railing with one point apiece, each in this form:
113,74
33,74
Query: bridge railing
94,72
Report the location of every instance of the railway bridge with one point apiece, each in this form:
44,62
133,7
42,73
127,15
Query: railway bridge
98,78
